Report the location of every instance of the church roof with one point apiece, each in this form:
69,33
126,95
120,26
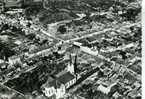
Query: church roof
52,83
65,77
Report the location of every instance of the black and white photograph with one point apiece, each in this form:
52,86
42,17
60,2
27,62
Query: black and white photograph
71,49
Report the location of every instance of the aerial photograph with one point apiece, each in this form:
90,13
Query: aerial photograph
70,49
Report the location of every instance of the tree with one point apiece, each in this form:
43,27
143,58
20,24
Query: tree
62,29
138,97
17,65
100,74
31,36
100,95
5,50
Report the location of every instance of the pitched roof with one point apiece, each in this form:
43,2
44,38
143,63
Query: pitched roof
52,83
65,77
14,57
12,3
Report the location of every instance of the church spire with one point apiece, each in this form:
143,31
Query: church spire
70,67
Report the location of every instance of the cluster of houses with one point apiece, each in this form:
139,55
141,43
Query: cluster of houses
56,85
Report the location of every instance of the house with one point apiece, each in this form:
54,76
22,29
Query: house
12,3
3,66
103,89
116,95
32,2
14,59
108,89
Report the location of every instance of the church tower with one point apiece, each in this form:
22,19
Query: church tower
70,67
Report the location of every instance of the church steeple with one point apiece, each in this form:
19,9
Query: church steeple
75,64
70,67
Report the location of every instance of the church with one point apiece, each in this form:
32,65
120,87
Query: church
56,86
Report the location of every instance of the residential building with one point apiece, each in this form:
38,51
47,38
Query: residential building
32,2
12,3
116,95
3,65
14,59
105,89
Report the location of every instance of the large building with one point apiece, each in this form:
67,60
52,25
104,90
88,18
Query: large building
53,88
12,3
20,3
56,86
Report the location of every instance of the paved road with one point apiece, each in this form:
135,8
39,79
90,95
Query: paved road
103,31
120,48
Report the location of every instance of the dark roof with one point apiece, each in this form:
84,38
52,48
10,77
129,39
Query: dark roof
52,82
65,77
129,76
12,3
3,64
